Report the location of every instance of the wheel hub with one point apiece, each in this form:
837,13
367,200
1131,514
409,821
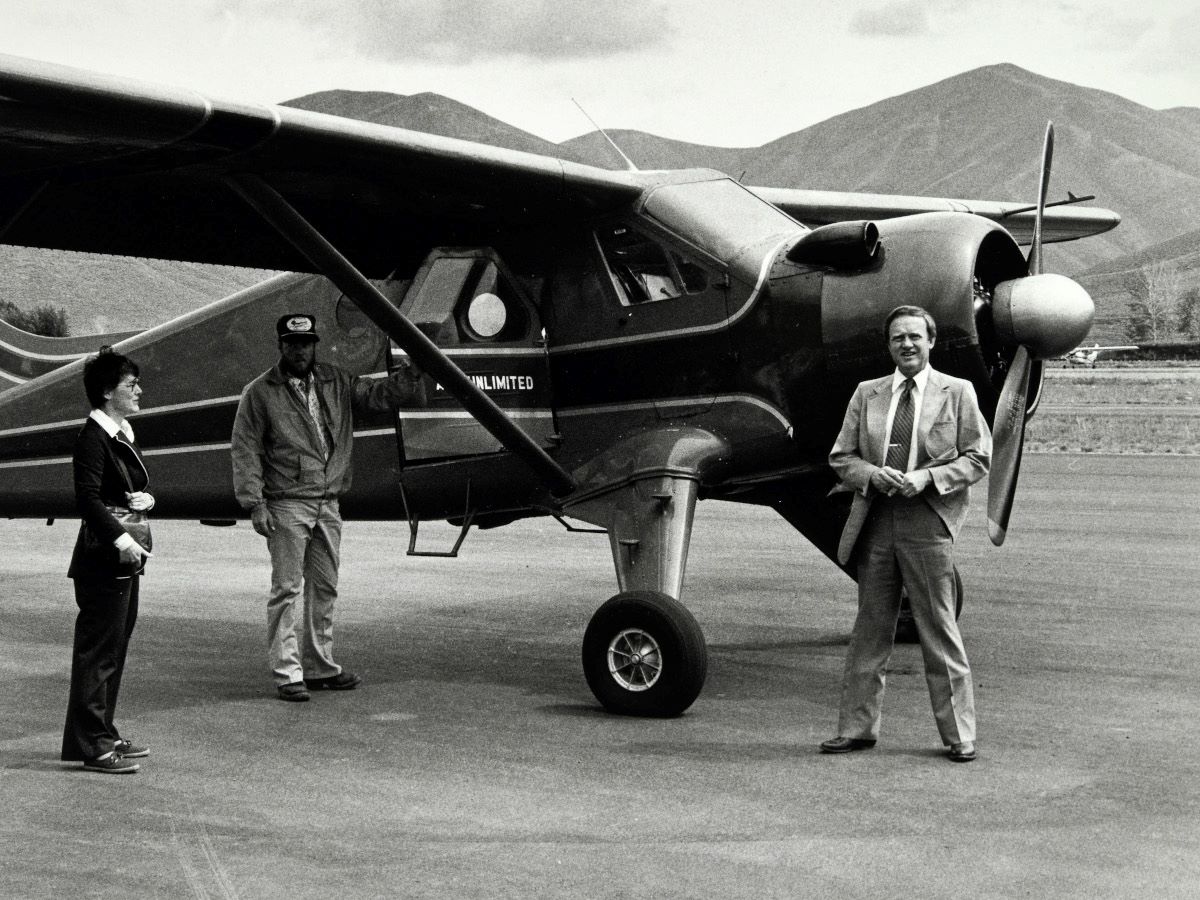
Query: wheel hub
634,659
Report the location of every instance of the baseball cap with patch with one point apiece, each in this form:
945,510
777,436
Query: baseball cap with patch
297,326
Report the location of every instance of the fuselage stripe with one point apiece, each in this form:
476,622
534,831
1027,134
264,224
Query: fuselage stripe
154,410
413,414
170,451
60,358
681,401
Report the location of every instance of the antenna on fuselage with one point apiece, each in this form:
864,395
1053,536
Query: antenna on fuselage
628,162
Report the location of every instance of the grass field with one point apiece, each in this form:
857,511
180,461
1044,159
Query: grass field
1101,429
1050,433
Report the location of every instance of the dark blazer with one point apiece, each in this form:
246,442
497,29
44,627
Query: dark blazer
99,481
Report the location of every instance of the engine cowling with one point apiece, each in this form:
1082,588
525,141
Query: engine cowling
971,276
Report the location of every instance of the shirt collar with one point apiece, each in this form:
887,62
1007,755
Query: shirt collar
105,421
919,380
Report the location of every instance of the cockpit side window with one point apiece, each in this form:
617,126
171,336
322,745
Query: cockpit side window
462,297
643,270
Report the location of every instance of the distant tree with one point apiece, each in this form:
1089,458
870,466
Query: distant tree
1153,313
1136,326
1189,314
47,320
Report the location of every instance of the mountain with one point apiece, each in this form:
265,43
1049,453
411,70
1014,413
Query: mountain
975,135
113,293
1111,282
979,135
649,151
431,113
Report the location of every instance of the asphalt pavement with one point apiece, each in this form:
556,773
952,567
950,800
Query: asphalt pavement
475,763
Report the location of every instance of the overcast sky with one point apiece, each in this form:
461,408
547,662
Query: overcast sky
736,73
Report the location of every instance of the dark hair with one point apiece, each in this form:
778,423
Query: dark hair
103,372
899,311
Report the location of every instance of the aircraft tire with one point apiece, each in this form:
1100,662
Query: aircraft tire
906,625
644,655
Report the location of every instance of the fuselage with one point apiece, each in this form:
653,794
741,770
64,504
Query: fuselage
681,310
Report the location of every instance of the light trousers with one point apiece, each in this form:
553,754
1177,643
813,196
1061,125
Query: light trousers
905,544
304,563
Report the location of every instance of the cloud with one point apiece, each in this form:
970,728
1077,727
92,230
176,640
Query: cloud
464,31
1172,46
897,19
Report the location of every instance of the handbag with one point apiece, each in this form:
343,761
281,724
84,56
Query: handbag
135,522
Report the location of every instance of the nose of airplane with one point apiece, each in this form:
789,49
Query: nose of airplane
1047,314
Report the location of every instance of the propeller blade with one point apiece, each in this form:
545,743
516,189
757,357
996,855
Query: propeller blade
1008,437
1035,249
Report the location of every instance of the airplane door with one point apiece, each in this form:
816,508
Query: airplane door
674,303
469,304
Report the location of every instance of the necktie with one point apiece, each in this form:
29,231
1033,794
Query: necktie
902,426
308,390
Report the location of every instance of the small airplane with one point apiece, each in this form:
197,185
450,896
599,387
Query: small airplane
604,346
1087,356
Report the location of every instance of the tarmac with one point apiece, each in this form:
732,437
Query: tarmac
474,762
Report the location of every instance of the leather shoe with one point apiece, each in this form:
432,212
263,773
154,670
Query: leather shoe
343,681
841,744
295,692
964,752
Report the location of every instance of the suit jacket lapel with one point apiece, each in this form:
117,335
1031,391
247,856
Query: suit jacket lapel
931,407
878,402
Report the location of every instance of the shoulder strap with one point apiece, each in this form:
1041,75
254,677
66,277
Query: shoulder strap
121,466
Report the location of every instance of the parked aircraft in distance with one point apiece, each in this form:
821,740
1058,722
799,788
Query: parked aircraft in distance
1087,356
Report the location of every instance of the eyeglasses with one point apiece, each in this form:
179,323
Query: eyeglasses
131,384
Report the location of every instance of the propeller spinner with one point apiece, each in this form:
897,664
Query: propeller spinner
1044,315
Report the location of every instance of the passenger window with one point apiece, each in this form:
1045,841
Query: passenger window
490,309
486,315
643,271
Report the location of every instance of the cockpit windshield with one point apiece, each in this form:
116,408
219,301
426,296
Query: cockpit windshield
720,216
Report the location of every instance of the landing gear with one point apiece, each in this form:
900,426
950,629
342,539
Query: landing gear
906,625
644,655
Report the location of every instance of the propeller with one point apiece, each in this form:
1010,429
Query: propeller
1045,315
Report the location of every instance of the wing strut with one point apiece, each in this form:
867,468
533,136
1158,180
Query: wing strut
284,218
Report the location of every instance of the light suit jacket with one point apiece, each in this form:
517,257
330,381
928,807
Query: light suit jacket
953,443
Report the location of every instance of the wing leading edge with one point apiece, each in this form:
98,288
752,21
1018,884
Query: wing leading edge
1063,223
108,165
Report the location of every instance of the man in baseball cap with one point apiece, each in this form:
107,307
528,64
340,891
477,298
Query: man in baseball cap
291,446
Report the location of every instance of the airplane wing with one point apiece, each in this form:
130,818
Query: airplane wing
1061,223
109,165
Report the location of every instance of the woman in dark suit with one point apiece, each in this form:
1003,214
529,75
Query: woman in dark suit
106,565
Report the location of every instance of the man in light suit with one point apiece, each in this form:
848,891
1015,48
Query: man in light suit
911,445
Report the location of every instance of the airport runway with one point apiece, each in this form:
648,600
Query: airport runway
474,763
